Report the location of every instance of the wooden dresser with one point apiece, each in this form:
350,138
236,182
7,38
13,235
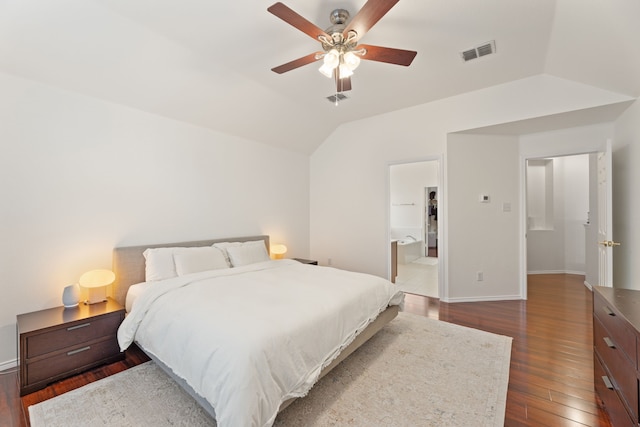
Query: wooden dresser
616,341
58,342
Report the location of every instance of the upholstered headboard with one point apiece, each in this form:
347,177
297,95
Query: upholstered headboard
128,262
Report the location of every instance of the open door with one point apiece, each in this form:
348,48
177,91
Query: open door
605,221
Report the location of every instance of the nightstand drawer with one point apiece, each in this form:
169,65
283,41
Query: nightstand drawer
59,342
72,334
75,358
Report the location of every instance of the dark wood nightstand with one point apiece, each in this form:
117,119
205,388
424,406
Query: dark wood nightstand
306,261
61,342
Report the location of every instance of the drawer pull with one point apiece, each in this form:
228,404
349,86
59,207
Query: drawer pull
84,325
609,343
80,350
607,382
608,311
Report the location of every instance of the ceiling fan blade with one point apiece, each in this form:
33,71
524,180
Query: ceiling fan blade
289,16
343,84
388,54
312,57
368,16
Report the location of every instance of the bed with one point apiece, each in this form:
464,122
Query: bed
244,335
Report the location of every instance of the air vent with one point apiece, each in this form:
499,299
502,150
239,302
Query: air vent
470,54
478,51
337,98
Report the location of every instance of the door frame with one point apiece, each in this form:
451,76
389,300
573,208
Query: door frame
442,215
523,201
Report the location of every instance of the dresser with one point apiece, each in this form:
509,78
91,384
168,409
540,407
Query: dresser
616,341
60,342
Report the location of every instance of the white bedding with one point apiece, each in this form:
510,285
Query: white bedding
134,292
249,338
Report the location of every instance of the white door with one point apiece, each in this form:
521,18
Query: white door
605,232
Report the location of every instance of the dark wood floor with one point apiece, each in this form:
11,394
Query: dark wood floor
551,374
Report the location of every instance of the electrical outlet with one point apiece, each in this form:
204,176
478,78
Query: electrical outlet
479,276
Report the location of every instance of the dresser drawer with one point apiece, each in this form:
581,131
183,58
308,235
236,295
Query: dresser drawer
619,367
72,334
612,403
617,328
76,359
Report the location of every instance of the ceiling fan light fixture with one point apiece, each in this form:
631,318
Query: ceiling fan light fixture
340,49
345,71
351,60
326,70
332,58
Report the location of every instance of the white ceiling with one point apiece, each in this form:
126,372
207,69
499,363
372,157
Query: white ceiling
208,62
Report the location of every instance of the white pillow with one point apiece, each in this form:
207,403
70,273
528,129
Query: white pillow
223,247
159,264
247,253
199,259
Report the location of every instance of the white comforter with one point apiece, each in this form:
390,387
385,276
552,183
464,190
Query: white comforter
249,338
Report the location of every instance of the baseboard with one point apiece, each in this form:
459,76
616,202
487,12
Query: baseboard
588,285
579,273
8,364
484,298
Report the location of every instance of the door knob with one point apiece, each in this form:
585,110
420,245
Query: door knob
609,243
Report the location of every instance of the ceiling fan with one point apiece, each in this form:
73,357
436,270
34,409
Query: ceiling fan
341,51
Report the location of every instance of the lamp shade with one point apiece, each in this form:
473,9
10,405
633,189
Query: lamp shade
97,278
97,281
278,250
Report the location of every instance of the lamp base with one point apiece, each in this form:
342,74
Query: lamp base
96,295
87,302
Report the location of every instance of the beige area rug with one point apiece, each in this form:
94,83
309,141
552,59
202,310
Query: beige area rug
415,372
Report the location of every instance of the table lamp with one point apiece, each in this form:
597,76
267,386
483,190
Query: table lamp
96,281
278,251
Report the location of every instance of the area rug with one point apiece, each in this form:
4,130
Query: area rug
415,371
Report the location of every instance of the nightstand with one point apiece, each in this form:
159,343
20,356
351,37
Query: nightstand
61,342
306,261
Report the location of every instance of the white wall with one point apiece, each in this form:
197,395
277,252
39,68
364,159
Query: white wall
626,199
483,237
561,249
80,176
348,172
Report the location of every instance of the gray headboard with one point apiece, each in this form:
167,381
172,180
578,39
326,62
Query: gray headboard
128,262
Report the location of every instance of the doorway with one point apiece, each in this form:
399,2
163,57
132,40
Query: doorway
413,226
431,222
562,216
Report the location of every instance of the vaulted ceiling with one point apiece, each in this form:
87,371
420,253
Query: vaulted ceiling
208,62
